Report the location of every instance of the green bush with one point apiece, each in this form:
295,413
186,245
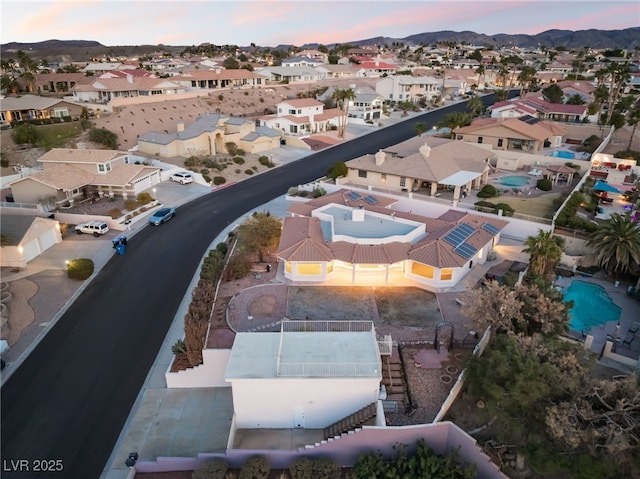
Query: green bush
130,204
544,184
507,210
204,171
104,137
220,97
231,147
179,347
80,269
214,469
4,163
488,191
238,268
265,161
144,198
338,170
206,178
219,180
115,213
315,468
238,160
484,204
25,133
222,247
240,152
256,467
318,192
248,172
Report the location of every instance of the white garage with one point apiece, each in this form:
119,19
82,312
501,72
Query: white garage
26,237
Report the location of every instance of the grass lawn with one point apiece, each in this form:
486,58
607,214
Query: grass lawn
541,206
57,135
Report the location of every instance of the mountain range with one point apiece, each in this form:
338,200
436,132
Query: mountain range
82,50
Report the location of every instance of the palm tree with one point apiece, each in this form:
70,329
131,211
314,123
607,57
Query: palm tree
545,250
481,70
475,106
575,99
525,77
617,244
620,73
419,128
343,97
633,118
454,120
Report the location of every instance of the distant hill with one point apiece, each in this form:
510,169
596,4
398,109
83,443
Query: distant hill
628,38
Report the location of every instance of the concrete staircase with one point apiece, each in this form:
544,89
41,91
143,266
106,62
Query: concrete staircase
351,422
393,381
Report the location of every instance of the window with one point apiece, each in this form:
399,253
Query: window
309,269
459,137
292,112
383,178
446,274
499,142
403,182
422,270
479,139
293,128
126,160
101,168
362,173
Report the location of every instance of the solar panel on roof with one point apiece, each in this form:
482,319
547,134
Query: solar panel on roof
459,234
370,199
490,228
465,250
354,195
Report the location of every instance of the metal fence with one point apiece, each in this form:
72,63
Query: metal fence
329,370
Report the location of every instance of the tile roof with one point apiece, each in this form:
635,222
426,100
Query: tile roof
302,238
28,102
236,74
14,227
61,177
303,102
514,124
68,155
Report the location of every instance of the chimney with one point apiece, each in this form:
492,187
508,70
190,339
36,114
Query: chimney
425,150
357,214
380,156
130,78
377,60
180,126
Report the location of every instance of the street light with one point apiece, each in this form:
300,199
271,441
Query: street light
154,193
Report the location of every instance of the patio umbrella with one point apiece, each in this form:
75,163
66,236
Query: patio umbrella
602,186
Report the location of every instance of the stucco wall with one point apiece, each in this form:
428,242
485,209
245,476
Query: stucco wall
210,374
30,191
317,402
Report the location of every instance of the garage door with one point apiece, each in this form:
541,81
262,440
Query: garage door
47,239
31,250
142,184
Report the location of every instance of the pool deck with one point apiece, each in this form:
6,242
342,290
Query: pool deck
629,313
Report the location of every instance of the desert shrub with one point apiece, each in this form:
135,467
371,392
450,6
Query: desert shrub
484,204
338,170
507,210
318,192
220,97
191,162
238,160
628,154
238,268
104,137
488,191
301,468
256,467
206,178
115,213
204,171
86,124
219,180
80,269
544,184
179,347
214,469
237,171
254,168
240,152
222,247
248,172
212,266
4,163
315,468
144,198
292,191
231,147
265,161
210,163
130,204
24,133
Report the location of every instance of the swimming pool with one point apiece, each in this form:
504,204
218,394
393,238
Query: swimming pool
592,306
514,180
569,155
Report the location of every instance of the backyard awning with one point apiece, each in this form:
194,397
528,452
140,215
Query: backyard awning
602,186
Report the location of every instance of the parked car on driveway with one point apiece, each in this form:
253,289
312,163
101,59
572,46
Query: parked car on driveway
96,228
182,177
162,215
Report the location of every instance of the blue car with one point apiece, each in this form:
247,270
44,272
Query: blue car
162,215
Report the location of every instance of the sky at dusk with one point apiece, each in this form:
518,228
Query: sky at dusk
273,22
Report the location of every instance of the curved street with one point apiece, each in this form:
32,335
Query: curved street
70,398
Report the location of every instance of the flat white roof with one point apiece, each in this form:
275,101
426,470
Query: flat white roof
304,354
460,178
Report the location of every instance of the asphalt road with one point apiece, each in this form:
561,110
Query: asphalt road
69,400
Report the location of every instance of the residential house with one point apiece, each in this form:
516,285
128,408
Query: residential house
218,78
301,61
26,237
506,134
376,68
358,237
315,54
338,71
97,68
302,116
69,175
126,74
400,88
105,90
291,74
559,67
209,135
557,111
415,166
32,107
366,106
60,82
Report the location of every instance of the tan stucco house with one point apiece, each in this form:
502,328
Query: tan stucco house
33,107
507,134
425,165
69,175
208,135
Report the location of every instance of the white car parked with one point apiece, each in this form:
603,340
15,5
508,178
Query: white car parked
182,177
96,228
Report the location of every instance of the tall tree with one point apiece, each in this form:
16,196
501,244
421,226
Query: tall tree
545,250
633,117
419,128
553,93
525,77
454,120
475,106
481,71
343,97
619,74
575,99
617,244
